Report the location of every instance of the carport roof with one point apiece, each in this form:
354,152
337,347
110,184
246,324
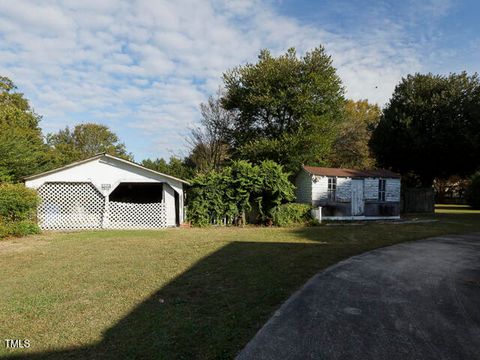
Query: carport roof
324,171
97,156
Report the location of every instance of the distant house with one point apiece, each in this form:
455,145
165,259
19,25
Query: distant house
107,192
346,194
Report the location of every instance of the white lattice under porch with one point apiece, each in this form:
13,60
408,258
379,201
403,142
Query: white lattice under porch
80,206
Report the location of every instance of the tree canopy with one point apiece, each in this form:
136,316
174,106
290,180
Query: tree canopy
22,150
287,108
350,148
431,127
83,141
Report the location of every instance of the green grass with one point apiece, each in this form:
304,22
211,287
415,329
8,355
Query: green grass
178,293
455,209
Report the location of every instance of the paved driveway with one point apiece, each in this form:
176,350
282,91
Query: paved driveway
418,300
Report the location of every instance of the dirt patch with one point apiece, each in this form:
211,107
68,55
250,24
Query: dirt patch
14,245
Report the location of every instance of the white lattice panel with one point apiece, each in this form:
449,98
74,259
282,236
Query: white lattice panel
70,206
137,216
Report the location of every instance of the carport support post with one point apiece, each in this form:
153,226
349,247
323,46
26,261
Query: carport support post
106,214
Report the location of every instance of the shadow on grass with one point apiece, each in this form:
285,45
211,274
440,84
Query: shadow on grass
210,311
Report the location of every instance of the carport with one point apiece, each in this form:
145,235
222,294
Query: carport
107,192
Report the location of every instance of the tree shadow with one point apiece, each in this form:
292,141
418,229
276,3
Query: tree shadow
213,309
210,311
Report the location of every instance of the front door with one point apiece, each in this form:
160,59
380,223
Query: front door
357,197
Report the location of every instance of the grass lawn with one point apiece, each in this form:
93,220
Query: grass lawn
178,293
455,209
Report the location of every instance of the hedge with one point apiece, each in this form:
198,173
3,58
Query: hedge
17,210
291,214
224,197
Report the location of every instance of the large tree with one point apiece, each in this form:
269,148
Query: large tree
22,151
287,108
431,127
350,148
209,141
83,141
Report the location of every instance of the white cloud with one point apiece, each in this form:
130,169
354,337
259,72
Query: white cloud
143,67
45,19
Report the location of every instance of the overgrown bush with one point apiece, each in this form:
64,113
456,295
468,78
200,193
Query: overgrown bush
223,197
291,214
17,210
472,194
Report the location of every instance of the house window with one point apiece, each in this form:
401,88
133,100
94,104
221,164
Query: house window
332,188
382,183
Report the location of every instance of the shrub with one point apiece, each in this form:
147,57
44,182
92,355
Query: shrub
20,228
291,214
17,210
225,196
25,227
4,230
472,194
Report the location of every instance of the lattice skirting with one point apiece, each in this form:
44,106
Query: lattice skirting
66,206
137,216
78,206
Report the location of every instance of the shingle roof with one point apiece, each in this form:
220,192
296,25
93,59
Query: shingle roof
324,171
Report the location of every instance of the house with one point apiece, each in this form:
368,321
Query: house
346,194
107,192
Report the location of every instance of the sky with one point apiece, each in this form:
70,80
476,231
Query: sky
143,67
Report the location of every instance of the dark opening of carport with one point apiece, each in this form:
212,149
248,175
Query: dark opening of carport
139,193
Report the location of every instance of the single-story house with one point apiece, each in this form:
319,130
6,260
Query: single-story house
347,194
107,192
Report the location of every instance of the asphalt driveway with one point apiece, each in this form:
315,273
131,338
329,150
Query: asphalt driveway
418,300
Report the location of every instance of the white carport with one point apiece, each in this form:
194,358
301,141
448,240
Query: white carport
107,192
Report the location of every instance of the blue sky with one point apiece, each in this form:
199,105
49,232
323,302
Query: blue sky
143,67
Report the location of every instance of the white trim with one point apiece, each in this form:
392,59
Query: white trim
144,168
31,177
361,218
98,156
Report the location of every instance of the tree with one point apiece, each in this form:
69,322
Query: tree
452,188
84,141
22,150
286,108
350,149
159,165
176,167
431,127
473,191
209,141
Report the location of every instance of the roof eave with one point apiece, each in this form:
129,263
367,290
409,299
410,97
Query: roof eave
68,166
97,156
145,168
387,176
